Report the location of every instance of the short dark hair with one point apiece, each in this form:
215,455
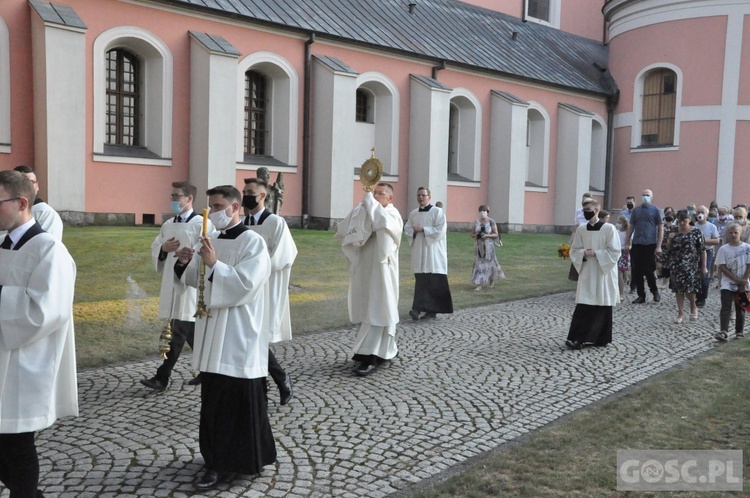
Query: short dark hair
603,213
187,188
257,181
23,169
425,188
592,203
682,214
229,192
18,184
386,185
630,197
484,207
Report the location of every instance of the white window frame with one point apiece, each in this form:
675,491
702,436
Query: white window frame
156,93
283,83
554,14
538,173
5,108
469,151
635,137
385,104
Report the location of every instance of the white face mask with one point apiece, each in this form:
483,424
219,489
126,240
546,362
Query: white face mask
483,214
220,219
700,216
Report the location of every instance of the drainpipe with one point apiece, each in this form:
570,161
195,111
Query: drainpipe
435,70
612,101
306,134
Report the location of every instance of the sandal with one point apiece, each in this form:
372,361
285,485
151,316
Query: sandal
721,336
678,319
693,316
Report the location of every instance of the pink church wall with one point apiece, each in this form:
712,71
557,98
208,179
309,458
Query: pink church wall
16,17
744,96
741,181
676,177
583,18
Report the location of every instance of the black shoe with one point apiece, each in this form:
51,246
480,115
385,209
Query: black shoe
195,381
209,480
657,297
700,304
285,390
639,300
365,369
154,383
414,314
632,291
573,344
427,316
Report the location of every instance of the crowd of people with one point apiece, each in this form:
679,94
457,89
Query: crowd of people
684,249
225,292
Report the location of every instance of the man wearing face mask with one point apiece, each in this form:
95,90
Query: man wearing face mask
629,206
182,230
711,238
283,251
647,231
231,342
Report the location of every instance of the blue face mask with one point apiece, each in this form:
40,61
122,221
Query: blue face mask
646,199
711,219
176,208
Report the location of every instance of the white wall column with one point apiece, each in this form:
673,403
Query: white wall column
213,111
573,161
508,158
333,163
58,40
428,138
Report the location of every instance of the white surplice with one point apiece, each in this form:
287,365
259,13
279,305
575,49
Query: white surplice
179,305
429,253
37,344
370,236
283,252
597,276
48,219
233,341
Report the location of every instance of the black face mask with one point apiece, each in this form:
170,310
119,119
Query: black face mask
589,214
630,205
669,219
250,202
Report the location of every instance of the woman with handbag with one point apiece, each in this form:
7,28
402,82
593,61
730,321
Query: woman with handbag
487,269
733,260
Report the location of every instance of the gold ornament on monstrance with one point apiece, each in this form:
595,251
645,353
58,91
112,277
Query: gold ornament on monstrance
370,172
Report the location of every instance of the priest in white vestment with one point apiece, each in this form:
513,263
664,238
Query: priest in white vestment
594,253
283,252
37,345
426,232
231,342
177,307
370,238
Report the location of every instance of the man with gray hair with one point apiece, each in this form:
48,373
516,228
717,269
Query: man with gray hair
644,239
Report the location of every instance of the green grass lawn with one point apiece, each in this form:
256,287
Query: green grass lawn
117,287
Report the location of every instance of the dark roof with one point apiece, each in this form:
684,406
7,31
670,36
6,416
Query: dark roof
439,30
57,14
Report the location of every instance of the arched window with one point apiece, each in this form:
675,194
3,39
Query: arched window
267,111
464,135
256,116
123,98
132,97
537,147
659,101
364,107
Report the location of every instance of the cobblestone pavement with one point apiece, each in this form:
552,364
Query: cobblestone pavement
463,384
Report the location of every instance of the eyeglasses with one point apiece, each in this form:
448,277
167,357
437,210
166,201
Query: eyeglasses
382,192
174,197
8,200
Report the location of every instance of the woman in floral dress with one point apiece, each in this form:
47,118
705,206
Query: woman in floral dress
487,269
687,264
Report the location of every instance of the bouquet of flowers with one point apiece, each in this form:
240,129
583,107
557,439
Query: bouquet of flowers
563,251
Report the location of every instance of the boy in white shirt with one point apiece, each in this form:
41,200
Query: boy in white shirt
733,260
